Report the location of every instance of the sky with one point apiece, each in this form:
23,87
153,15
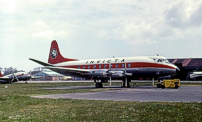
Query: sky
98,29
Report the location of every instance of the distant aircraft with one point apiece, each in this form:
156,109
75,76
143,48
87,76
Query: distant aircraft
107,69
19,76
196,75
66,78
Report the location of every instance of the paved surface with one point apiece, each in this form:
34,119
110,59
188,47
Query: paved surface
91,81
143,93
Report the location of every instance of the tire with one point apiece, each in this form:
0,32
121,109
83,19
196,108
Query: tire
163,86
176,86
158,85
97,85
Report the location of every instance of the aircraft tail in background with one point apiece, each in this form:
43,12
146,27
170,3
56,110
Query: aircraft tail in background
1,74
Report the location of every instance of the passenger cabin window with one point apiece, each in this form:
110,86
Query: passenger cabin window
100,66
117,66
105,66
129,65
94,66
123,65
84,67
88,66
78,67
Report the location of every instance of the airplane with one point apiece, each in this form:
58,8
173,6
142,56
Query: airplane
66,78
107,69
19,76
196,75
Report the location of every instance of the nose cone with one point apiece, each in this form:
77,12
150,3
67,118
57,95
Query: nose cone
177,69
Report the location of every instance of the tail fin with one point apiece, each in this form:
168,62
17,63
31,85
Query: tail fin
55,56
1,74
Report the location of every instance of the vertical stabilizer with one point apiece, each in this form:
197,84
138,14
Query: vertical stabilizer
55,56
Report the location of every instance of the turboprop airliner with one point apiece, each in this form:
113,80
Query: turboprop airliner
19,76
107,69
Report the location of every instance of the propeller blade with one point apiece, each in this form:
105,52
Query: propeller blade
30,74
14,78
125,76
110,79
110,75
126,82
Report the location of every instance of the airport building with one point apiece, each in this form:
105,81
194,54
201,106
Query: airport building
48,75
186,66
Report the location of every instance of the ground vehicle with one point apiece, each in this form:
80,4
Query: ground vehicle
169,83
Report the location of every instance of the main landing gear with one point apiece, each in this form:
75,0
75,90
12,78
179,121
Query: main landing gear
98,83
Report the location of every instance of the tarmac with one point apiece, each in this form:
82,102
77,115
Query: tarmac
140,93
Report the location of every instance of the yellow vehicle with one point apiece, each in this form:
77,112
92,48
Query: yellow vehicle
169,83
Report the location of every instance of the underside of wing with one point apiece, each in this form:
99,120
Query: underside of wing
70,70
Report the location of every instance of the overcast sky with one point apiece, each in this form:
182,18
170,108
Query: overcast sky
98,29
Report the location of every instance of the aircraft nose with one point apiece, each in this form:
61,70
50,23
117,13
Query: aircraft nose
177,69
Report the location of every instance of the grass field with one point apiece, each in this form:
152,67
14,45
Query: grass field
17,105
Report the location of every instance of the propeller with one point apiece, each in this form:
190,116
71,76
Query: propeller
110,75
30,74
125,76
13,78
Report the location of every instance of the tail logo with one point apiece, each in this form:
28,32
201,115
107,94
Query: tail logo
54,53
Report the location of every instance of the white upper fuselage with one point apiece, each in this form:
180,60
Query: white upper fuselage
131,62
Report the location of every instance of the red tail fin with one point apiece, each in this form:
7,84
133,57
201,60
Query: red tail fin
55,56
1,74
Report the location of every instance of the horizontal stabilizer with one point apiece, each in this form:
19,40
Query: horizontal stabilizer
40,62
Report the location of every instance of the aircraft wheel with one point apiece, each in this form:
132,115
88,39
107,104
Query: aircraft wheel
176,86
98,85
163,86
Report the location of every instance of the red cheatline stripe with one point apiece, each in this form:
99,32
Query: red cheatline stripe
120,65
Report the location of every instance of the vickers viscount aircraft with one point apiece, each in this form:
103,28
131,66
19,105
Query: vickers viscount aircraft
107,69
19,76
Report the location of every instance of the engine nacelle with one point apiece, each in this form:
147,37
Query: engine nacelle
116,73
100,74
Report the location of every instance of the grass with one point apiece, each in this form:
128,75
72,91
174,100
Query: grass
17,105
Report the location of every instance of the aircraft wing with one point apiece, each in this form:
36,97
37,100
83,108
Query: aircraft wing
71,70
4,78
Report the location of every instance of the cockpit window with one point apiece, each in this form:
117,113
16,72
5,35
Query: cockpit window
163,60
